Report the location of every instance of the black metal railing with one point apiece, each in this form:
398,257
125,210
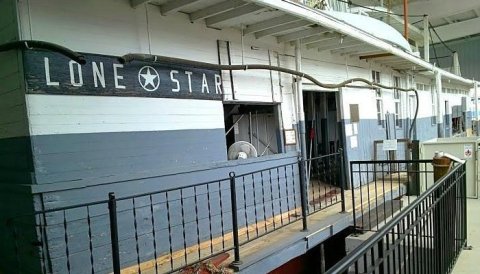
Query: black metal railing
381,188
267,200
169,230
326,181
425,237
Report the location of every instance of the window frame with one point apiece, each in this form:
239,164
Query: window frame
397,99
376,78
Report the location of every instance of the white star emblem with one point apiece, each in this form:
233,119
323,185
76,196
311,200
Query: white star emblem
147,80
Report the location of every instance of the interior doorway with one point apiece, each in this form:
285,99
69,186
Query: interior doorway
323,140
322,123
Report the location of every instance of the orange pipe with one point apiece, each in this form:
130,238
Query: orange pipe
405,19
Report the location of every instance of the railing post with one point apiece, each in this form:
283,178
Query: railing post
303,193
381,257
236,241
464,224
441,166
354,213
342,178
112,211
413,187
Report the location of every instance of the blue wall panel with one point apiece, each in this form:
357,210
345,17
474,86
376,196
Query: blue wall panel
194,213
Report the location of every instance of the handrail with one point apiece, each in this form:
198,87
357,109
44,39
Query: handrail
279,182
422,161
347,261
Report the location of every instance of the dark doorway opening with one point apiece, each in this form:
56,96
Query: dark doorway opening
322,123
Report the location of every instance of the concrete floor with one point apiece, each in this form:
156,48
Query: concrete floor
469,259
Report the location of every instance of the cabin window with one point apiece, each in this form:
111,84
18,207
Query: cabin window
398,102
253,123
378,98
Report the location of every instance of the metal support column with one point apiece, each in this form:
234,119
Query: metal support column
301,112
426,39
304,181
438,86
475,89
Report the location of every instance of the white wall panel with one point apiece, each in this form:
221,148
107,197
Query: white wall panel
113,27
64,114
106,27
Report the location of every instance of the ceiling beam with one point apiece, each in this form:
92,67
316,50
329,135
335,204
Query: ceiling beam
373,56
318,38
232,14
398,60
175,5
387,58
398,64
216,9
270,23
335,40
344,46
457,30
282,28
367,50
136,3
346,43
301,34
447,20
347,51
405,67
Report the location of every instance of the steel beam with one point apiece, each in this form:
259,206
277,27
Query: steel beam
232,14
301,34
404,67
398,62
318,38
175,5
216,9
344,46
346,51
270,23
346,43
282,28
373,56
366,50
335,40
388,58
